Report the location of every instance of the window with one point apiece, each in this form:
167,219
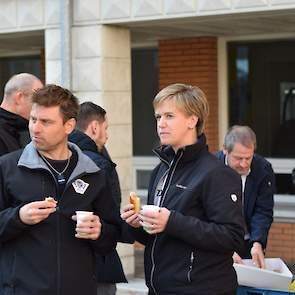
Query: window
144,88
262,95
14,65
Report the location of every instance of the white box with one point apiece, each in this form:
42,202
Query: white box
276,275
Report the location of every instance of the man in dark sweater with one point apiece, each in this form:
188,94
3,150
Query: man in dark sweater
91,136
14,111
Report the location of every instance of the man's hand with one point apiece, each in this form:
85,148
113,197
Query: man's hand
130,216
89,227
155,221
237,258
257,255
35,212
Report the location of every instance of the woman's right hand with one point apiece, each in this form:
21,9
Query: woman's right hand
128,214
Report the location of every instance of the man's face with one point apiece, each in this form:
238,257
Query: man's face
240,158
101,134
25,97
48,131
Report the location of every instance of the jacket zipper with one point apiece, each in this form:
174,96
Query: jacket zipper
190,267
58,285
155,240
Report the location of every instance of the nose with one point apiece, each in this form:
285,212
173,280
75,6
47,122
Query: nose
35,127
161,122
244,163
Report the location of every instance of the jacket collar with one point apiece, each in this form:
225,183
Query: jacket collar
189,152
13,121
83,141
31,159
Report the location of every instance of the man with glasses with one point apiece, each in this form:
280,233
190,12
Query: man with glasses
15,110
258,187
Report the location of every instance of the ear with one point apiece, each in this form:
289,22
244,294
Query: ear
70,125
225,151
94,128
18,98
193,122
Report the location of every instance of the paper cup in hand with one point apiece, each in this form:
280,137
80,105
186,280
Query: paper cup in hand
80,217
149,208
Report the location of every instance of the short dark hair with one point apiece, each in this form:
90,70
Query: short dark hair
89,112
54,95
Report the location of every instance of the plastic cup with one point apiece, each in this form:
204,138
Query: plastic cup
149,208
80,218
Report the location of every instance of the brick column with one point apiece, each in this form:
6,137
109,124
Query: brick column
281,242
193,61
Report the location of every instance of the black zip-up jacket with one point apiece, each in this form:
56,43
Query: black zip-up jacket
14,133
109,267
47,258
194,253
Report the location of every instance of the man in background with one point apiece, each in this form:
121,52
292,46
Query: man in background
258,187
15,110
91,136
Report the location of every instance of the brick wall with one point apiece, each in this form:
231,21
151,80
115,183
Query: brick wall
281,242
193,61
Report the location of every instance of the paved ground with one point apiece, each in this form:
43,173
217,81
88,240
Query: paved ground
139,271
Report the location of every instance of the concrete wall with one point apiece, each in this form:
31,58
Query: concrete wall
139,10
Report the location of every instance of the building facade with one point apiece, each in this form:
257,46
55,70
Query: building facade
119,53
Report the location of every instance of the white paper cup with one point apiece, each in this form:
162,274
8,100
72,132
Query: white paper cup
149,208
80,217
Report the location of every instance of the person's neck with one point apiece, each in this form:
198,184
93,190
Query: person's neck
58,154
99,148
8,107
187,141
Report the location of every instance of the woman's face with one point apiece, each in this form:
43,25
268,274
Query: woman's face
174,127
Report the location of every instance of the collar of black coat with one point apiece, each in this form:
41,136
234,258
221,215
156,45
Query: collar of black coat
188,152
85,143
12,120
31,159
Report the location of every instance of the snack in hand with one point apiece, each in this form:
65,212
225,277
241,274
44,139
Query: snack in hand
50,200
135,201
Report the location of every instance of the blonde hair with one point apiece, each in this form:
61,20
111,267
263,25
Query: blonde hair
189,99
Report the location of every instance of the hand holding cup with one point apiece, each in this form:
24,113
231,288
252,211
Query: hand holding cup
154,218
88,225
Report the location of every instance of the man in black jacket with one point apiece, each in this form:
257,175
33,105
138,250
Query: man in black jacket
14,111
44,250
91,137
258,186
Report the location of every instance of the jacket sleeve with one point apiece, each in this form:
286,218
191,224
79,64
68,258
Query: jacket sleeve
10,224
221,229
110,219
262,217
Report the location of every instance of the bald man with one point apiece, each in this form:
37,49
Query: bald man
15,111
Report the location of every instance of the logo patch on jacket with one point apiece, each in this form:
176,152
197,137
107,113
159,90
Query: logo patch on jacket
80,186
234,197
